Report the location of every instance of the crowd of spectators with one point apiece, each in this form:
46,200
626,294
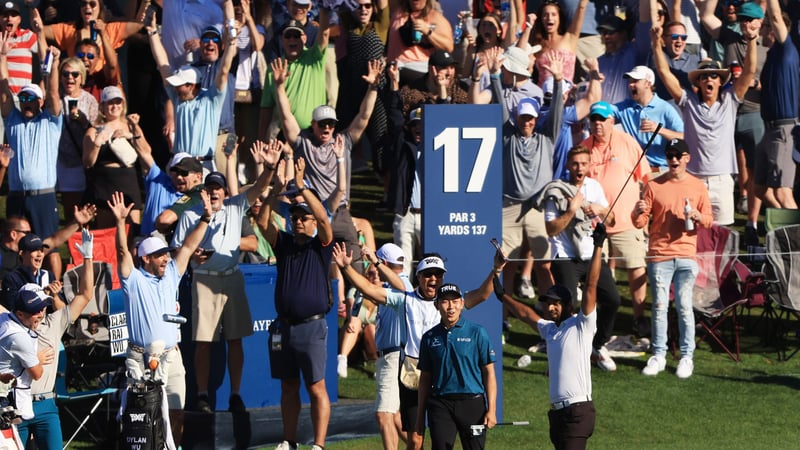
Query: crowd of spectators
144,113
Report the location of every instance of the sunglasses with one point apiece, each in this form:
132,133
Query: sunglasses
597,118
292,34
364,6
81,55
671,156
681,37
24,98
736,3
207,39
706,76
67,74
429,273
180,172
661,13
89,4
327,123
301,218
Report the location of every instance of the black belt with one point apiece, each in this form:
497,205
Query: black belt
458,396
415,210
32,192
779,122
45,396
387,350
306,320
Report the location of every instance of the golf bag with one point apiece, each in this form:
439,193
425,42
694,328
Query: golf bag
9,418
142,420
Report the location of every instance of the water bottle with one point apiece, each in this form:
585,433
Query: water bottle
232,28
47,63
687,209
458,31
505,10
416,36
92,31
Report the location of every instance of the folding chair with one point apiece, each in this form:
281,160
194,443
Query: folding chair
105,250
783,263
780,217
716,294
66,401
753,287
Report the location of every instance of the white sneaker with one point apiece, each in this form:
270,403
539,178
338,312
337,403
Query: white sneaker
602,358
316,447
526,288
341,366
654,365
685,367
285,445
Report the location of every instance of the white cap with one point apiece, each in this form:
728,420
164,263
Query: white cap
391,253
186,74
431,262
176,158
548,86
32,89
641,73
110,93
152,244
323,112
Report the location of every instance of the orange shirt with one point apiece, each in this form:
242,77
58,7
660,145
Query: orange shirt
611,163
66,36
667,199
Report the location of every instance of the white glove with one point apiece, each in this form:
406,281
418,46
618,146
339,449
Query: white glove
86,247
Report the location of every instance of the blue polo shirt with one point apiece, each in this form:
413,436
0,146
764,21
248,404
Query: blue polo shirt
197,121
35,142
147,299
161,194
780,82
209,71
564,141
455,357
630,113
389,325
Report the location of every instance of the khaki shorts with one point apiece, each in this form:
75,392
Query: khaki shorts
720,193
387,369
629,247
170,370
219,306
530,226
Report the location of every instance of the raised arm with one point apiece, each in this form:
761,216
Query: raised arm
388,274
341,173
86,288
360,122
523,312
184,253
774,15
750,31
590,293
670,81
111,67
280,72
324,229
52,100
477,296
574,30
221,80
140,144
120,211
343,259
159,53
268,155
595,92
6,96
256,38
710,21
81,217
324,33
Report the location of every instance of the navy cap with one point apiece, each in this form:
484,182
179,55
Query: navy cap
31,242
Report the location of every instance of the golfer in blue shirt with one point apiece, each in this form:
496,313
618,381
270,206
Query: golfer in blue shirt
457,386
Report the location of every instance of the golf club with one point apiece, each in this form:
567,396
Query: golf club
644,152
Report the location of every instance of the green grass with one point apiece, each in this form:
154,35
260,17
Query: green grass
724,405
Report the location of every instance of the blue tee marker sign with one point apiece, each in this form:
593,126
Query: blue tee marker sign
462,203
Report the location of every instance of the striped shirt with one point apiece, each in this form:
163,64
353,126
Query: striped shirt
20,59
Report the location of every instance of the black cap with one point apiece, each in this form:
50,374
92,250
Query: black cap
448,291
677,146
441,58
189,165
612,23
31,242
215,178
8,5
558,293
293,24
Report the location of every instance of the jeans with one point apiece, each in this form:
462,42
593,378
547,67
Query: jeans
45,425
662,274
